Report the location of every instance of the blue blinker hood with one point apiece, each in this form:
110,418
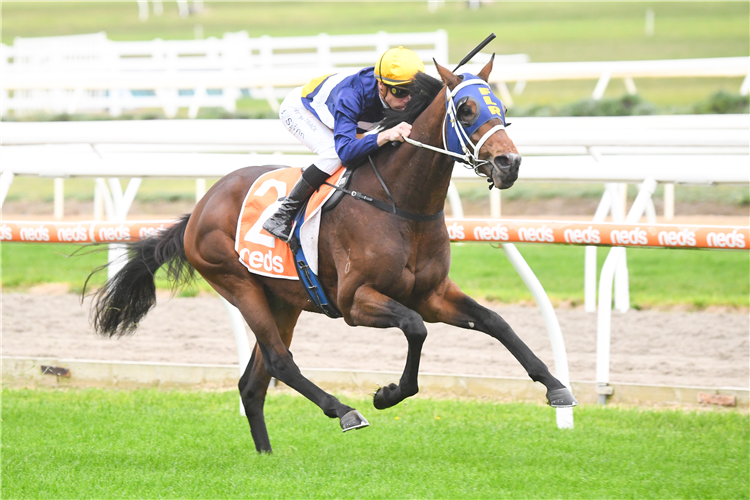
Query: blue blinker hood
488,107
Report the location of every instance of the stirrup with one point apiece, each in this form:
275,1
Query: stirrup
280,224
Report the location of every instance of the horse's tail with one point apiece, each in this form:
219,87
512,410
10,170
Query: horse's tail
131,293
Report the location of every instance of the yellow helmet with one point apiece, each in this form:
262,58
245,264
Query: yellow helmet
398,66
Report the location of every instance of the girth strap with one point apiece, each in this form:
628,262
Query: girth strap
308,278
391,209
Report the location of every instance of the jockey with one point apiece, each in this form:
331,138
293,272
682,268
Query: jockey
325,115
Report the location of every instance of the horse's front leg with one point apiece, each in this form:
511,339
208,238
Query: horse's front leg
450,305
371,308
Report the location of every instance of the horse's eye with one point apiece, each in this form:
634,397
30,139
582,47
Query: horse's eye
465,114
467,111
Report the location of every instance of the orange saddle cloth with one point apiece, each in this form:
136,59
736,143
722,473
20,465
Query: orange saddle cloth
262,253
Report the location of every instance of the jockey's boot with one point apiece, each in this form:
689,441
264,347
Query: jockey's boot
280,223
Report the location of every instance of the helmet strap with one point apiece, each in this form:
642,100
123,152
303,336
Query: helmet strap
382,86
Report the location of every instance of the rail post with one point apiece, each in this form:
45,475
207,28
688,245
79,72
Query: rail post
604,314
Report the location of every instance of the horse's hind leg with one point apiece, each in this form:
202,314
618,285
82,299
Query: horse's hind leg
252,302
253,386
254,382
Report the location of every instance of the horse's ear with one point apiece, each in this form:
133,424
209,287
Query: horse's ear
450,79
485,73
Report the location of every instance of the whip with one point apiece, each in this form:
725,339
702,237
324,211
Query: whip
474,52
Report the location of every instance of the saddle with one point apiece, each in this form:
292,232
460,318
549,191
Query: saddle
338,194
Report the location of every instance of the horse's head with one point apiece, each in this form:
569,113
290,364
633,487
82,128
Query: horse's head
476,126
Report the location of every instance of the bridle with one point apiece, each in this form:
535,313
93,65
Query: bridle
456,138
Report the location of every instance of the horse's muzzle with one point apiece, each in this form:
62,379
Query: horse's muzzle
505,170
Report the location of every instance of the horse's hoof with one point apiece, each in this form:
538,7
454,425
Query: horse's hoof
379,399
353,420
561,398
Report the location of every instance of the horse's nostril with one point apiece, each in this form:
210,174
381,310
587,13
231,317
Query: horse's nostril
508,162
502,162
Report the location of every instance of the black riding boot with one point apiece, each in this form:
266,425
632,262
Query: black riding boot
280,223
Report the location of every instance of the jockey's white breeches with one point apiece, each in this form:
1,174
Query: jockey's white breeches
306,127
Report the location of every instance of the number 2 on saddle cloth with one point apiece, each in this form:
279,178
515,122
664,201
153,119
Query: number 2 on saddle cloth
263,254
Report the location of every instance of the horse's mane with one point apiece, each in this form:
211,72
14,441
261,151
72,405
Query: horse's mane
423,89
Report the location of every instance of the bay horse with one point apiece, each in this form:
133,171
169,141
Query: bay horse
380,269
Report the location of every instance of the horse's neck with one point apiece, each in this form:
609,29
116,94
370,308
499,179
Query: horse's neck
418,178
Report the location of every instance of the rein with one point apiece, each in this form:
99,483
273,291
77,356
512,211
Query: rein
384,206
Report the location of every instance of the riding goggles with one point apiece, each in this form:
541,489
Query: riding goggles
398,92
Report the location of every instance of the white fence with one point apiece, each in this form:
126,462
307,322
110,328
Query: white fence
64,74
614,135
89,72
671,149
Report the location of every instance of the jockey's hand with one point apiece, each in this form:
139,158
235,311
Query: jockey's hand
396,133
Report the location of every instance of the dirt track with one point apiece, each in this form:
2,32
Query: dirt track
706,349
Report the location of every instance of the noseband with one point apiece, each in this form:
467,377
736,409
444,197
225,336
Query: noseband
457,136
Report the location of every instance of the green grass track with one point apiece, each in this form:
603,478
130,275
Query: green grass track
152,444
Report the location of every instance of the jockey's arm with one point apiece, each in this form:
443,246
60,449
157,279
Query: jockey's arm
350,149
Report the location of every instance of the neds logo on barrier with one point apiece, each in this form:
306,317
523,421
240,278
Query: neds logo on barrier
118,233
6,233
724,240
496,233
78,233
624,237
40,233
148,232
588,235
674,238
456,231
540,234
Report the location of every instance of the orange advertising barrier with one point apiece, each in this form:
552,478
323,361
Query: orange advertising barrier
487,230
599,234
80,232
